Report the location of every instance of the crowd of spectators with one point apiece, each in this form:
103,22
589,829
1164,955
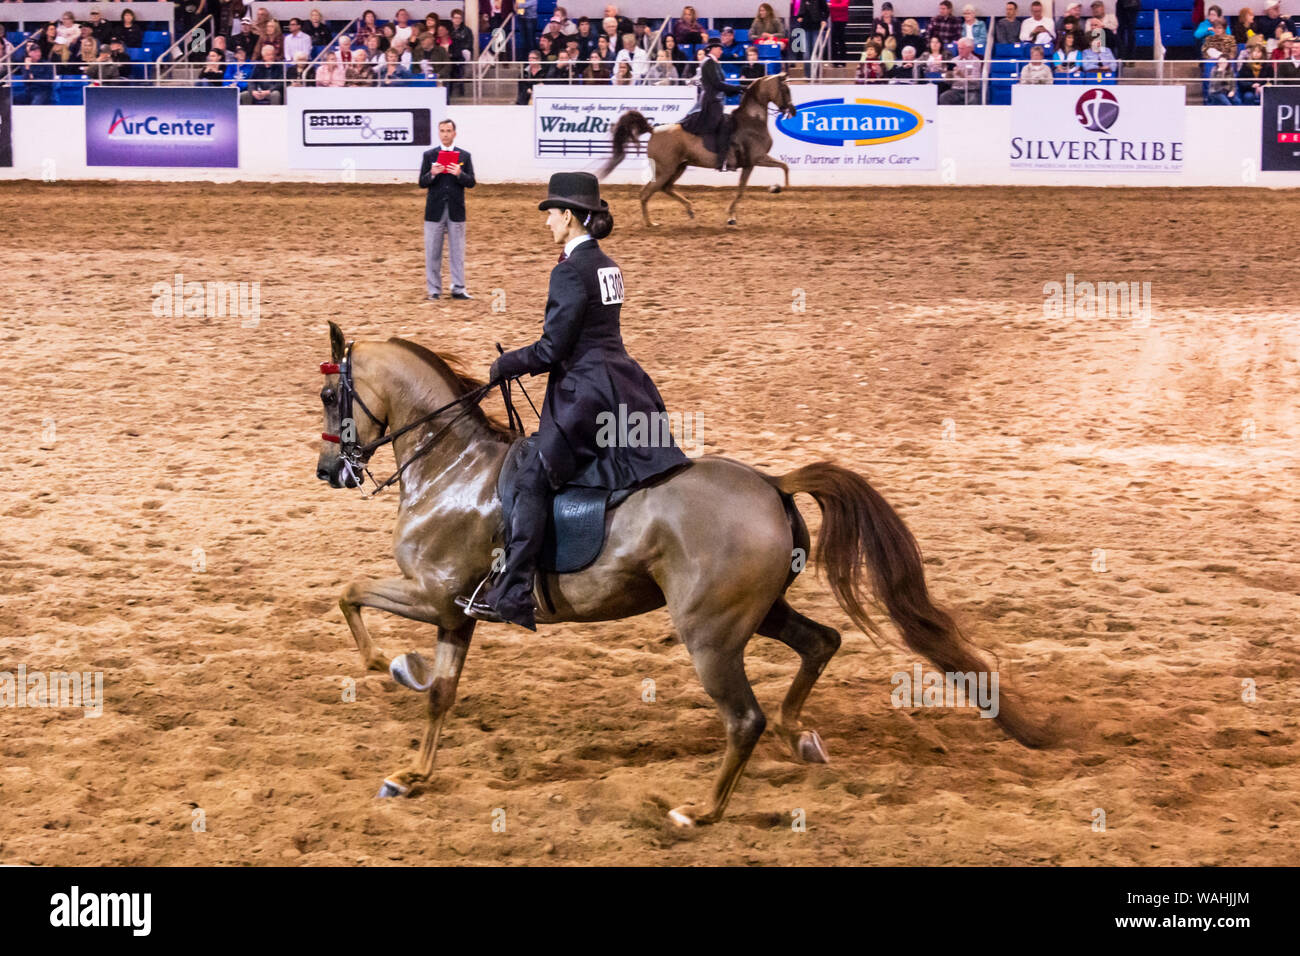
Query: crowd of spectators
1242,58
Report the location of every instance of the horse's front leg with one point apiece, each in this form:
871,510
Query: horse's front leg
769,161
395,595
439,680
740,191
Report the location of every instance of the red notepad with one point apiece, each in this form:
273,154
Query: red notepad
448,157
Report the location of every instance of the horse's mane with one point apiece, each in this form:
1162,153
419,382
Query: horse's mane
452,369
751,92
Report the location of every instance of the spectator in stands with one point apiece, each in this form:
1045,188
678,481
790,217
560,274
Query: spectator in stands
1289,69
219,48
105,69
574,49
1098,58
374,56
317,29
692,72
687,29
889,53
1072,12
266,85
240,71
624,24
870,69
597,70
1126,12
242,37
644,35
586,39
944,26
1223,83
533,73
67,31
1206,26
605,51
391,72
1244,26
911,36
1036,72
766,25
386,37
622,73
1007,28
679,58
906,69
562,69
839,14
1255,74
428,56
546,48
1096,30
359,71
368,27
973,27
812,14
45,39
297,41
967,75
462,40
526,24
933,61
301,72
661,72
103,30
731,50
1067,59
39,77
637,59
1268,23
1282,48
272,35
566,26
885,25
331,72
345,49
753,68
1107,20
609,30
444,65
403,50
1220,40
87,53
403,29
1036,28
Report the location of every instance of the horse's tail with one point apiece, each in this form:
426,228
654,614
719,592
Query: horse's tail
861,533
629,126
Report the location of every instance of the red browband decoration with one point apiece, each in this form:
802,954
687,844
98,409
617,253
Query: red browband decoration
329,438
329,368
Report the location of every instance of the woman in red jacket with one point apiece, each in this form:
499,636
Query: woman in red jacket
839,23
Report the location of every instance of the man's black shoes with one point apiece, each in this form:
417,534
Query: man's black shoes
461,295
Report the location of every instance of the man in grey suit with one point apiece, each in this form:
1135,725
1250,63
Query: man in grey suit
444,211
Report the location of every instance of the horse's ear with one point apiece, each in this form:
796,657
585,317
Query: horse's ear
337,346
780,76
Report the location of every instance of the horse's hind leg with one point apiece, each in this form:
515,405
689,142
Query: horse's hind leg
658,181
815,644
670,189
721,666
440,681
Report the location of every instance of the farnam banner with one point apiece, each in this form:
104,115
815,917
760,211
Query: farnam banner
359,128
577,122
162,126
1098,128
860,127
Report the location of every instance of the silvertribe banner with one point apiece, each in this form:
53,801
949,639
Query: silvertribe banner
1097,128
356,128
6,128
577,122
1280,146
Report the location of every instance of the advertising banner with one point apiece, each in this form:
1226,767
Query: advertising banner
1280,146
876,127
1098,128
162,126
578,121
359,128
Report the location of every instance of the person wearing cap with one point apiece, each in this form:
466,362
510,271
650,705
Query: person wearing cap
591,381
731,50
710,112
1267,22
102,30
444,211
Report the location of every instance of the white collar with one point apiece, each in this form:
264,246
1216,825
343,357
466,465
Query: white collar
574,243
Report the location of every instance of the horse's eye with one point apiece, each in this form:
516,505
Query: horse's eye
327,396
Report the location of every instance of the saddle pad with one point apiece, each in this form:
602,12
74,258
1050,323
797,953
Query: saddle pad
575,531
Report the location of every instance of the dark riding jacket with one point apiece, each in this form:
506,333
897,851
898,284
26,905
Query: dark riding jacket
588,433
711,106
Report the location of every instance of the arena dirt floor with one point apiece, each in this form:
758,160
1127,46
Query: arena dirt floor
1107,503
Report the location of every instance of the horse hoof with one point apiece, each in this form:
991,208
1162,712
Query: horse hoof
390,789
683,817
810,749
690,214
410,670
774,189
731,222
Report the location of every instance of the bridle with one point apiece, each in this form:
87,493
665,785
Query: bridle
355,455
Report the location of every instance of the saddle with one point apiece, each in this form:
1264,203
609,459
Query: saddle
575,530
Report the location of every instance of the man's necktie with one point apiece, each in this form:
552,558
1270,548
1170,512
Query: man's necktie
563,256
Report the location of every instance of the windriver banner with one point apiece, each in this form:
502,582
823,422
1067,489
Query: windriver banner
575,123
1097,128
162,126
837,127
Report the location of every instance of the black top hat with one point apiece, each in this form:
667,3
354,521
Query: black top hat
580,191
710,44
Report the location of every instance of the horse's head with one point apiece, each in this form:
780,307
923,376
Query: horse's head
781,95
347,432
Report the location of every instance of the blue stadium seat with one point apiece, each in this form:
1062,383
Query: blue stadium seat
742,36
1145,19
155,37
1006,51
1000,91
70,91
18,91
766,51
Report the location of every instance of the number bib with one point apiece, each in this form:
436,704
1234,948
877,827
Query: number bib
611,285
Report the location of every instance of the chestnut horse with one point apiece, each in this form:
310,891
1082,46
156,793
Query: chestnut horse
717,542
672,149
